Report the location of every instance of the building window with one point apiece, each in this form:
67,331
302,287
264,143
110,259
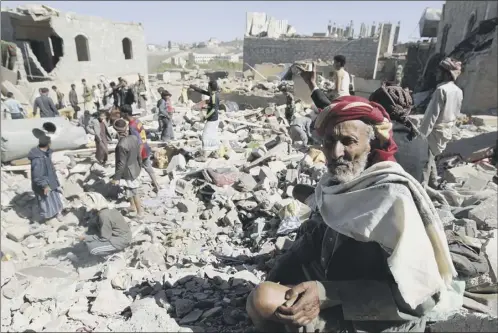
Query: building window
82,50
444,38
127,50
470,24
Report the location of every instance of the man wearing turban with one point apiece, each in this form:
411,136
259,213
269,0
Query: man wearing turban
441,114
373,256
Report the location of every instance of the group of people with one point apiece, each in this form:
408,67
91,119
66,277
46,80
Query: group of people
98,97
382,265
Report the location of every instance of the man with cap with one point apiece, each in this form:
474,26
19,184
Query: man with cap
113,232
137,129
44,181
373,256
441,114
165,114
128,165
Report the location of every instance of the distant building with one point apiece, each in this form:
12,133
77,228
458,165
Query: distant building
201,58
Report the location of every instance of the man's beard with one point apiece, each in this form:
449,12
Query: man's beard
343,171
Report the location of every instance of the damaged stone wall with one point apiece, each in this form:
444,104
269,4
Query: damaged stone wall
416,59
104,50
361,54
479,77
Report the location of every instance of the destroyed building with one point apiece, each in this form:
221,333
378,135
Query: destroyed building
362,54
66,47
460,22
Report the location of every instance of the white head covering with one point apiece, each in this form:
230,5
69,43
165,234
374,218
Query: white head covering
94,201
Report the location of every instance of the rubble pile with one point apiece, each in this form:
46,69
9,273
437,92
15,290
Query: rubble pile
208,237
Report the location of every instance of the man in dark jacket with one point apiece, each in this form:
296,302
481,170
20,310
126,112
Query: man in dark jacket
45,104
128,165
73,98
113,232
44,181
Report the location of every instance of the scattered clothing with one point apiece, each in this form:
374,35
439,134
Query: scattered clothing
468,260
46,106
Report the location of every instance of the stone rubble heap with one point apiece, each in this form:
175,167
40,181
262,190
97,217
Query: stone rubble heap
208,237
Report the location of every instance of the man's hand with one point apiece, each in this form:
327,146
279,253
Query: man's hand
305,309
115,182
46,190
82,237
309,77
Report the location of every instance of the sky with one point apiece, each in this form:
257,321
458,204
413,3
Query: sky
196,21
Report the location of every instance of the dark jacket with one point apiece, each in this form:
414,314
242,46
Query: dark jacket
213,104
46,106
114,228
128,158
412,155
73,98
359,271
42,170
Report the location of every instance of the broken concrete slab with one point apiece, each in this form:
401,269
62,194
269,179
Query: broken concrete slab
485,214
109,302
473,177
485,120
491,252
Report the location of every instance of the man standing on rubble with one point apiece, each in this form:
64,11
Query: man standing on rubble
290,107
98,128
137,129
113,232
13,107
60,98
141,91
341,77
355,268
441,114
45,104
73,99
165,115
44,181
87,95
210,140
128,165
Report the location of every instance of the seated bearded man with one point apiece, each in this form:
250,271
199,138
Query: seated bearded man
373,256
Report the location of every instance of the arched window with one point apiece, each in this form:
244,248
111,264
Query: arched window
82,50
444,38
470,25
127,49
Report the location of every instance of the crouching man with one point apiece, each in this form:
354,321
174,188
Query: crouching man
113,233
378,266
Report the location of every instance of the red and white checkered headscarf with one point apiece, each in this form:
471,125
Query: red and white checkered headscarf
348,108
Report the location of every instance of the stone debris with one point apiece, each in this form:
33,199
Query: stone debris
210,234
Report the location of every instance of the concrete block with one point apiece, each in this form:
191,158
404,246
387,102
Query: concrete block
485,214
473,178
466,323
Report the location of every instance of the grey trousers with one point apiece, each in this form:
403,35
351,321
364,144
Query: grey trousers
99,247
